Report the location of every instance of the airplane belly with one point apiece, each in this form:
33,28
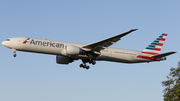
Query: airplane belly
124,58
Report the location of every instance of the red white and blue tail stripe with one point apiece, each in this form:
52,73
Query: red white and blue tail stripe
155,47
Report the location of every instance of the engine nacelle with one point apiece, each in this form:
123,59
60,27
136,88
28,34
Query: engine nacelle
71,50
63,60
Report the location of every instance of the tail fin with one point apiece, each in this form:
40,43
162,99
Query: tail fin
155,47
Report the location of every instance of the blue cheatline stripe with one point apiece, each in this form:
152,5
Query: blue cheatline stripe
154,43
161,36
158,39
149,48
152,46
28,38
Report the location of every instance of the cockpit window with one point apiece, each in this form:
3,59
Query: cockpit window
7,39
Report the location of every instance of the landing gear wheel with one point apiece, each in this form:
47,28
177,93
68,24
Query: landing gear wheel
87,67
94,63
14,55
84,66
81,65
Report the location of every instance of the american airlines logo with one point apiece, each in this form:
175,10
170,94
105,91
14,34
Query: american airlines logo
44,43
26,41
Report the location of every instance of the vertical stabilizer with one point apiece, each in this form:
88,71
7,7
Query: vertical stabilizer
155,47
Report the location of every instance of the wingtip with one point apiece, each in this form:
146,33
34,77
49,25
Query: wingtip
134,29
174,52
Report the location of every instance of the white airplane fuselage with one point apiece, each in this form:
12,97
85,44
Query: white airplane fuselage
57,48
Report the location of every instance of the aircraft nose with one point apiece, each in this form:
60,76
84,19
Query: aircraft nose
4,43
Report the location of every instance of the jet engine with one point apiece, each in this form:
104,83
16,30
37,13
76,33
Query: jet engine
63,60
71,50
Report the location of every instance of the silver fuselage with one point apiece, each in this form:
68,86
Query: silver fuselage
56,47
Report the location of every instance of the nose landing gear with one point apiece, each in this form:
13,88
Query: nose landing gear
14,55
14,51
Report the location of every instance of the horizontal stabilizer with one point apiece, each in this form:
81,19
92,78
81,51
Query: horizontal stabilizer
163,55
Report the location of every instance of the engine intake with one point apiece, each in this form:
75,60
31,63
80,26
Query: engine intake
71,50
63,60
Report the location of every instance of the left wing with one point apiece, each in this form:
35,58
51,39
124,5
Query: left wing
103,44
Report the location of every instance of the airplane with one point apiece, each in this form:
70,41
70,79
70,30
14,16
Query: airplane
67,52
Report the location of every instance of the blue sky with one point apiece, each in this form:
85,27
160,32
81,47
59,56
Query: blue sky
37,77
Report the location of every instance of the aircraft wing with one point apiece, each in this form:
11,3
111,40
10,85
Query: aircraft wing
103,44
163,55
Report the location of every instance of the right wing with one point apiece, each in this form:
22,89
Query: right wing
103,44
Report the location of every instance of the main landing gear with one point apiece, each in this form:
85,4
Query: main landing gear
87,61
14,51
84,66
